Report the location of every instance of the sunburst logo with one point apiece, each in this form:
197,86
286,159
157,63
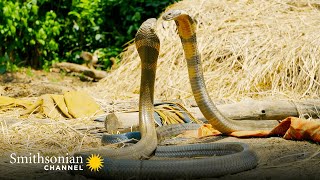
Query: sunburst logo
95,162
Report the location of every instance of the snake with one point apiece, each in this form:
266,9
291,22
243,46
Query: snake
143,159
187,32
148,45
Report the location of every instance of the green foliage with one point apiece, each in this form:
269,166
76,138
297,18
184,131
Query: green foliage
27,37
105,25
38,33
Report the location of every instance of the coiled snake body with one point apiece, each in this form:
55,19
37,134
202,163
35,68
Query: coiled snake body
226,158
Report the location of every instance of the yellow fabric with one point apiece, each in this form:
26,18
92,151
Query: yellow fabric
74,104
60,102
80,104
49,107
9,102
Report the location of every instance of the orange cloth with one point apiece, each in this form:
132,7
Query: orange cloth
290,128
298,129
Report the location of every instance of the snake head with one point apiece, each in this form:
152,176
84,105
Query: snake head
147,30
151,22
173,14
147,42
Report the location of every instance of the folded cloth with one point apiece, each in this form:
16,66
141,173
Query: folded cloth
291,128
73,104
8,102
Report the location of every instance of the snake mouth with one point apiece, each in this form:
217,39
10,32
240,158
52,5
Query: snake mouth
171,14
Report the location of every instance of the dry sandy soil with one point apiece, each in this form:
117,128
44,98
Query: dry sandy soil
278,158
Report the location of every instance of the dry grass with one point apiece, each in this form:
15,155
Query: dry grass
250,49
45,136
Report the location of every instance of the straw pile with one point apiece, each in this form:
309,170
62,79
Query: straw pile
45,136
248,48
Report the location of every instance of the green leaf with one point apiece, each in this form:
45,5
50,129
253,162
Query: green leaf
53,45
41,41
34,9
55,30
136,16
42,34
53,14
9,21
6,11
13,29
75,14
24,21
32,42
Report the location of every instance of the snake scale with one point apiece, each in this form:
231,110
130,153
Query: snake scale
221,158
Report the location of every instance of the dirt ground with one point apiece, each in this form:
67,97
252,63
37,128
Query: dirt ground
33,83
278,158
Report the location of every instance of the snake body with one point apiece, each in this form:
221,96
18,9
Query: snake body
187,32
128,162
148,45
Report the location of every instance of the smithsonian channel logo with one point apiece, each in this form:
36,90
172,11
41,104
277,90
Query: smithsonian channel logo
59,163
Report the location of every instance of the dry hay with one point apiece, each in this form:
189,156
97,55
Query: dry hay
248,48
45,136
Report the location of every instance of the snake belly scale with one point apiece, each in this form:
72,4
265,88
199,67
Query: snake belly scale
130,162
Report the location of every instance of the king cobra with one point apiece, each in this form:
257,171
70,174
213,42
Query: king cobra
214,159
148,44
187,32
